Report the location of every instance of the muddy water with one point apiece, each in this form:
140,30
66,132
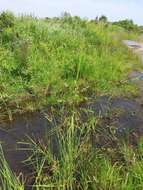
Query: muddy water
121,118
125,115
34,126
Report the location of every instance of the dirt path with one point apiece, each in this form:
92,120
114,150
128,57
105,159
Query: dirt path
136,76
135,46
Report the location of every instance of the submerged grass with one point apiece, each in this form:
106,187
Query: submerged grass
61,60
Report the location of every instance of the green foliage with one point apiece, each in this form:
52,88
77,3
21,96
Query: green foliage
128,25
61,61
8,180
7,19
103,18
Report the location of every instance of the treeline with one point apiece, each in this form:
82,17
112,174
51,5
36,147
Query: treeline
7,20
127,24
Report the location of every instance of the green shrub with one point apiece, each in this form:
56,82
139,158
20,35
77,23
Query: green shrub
128,25
7,19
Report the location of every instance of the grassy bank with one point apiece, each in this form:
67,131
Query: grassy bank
61,60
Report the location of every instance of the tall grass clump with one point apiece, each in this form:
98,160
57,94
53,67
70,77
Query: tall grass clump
8,180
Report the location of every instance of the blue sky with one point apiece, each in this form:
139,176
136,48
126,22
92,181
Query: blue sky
113,9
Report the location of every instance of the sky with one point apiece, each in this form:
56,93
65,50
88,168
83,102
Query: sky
113,9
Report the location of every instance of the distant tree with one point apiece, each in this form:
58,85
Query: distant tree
66,15
47,18
96,19
7,19
103,18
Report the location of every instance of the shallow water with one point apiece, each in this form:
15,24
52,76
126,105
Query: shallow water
124,116
25,126
129,120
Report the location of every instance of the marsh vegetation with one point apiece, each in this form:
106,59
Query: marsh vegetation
66,62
